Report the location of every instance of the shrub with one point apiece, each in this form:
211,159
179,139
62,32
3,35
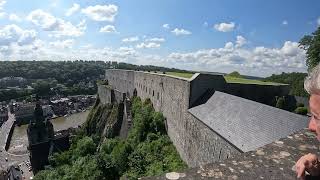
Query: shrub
301,110
300,105
280,103
235,74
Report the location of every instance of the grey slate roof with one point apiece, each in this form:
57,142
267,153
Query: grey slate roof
247,124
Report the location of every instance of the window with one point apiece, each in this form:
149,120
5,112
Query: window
153,93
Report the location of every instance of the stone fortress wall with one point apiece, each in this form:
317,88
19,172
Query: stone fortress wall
196,143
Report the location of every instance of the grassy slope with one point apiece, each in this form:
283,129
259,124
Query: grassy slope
227,78
247,81
180,74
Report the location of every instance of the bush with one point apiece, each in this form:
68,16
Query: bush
280,103
300,105
235,74
85,146
301,110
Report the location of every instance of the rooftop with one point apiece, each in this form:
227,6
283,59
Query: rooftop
247,124
273,161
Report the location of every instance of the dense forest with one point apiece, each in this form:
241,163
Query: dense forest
147,151
295,80
61,77
64,71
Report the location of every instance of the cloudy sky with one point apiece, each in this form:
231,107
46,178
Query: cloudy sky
250,36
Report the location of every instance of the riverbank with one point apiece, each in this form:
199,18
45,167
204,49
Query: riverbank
19,140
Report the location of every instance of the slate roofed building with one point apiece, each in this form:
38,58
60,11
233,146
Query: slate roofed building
207,118
246,124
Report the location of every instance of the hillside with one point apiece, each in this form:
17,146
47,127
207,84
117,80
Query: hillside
97,154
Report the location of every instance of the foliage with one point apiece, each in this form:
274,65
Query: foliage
311,43
80,162
147,151
230,79
300,105
235,74
280,103
295,80
301,110
179,74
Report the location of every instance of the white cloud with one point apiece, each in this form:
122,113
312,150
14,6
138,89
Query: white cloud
131,39
178,32
58,26
108,29
43,19
54,3
166,26
10,34
290,48
150,45
225,27
228,45
68,43
2,3
240,41
155,40
75,7
259,61
14,17
285,22
2,15
101,12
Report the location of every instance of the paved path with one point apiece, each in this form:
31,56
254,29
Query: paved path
11,158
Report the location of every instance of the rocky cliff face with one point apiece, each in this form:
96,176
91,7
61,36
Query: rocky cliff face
104,120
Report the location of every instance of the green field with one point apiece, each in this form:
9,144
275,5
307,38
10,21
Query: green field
248,81
180,74
227,78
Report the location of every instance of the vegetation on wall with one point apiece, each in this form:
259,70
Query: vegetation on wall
147,151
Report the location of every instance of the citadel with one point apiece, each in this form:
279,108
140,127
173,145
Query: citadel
207,119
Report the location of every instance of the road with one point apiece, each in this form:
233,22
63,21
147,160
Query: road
7,159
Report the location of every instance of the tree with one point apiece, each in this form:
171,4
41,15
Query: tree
280,103
301,110
311,43
235,74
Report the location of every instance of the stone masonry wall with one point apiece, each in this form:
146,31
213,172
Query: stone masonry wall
104,94
203,82
171,97
203,145
108,95
264,94
196,143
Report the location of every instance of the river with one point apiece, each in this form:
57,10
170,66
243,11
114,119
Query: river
19,140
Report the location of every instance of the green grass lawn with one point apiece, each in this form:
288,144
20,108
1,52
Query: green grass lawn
227,78
180,74
248,81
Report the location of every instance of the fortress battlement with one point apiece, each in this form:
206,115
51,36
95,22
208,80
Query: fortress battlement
208,119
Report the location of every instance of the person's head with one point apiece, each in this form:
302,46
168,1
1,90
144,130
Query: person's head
312,86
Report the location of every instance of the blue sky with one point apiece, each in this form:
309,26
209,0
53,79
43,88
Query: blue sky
250,36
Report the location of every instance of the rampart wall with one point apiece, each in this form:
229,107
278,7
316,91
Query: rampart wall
196,143
264,94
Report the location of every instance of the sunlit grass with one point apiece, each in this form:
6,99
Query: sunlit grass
248,81
180,74
229,79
